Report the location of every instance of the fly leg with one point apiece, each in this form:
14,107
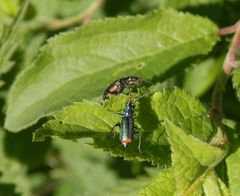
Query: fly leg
129,92
138,90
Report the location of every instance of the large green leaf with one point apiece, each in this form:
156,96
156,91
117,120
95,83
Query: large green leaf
80,64
185,111
89,119
92,120
191,158
164,184
233,167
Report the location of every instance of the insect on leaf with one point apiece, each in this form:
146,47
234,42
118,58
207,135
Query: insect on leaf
82,63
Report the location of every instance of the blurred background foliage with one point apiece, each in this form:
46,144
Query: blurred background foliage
58,167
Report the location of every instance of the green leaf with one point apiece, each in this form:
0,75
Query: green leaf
233,169
191,158
128,187
9,7
187,3
15,145
213,186
12,174
236,81
92,120
78,64
164,184
185,111
1,30
223,188
131,186
77,160
11,40
89,119
202,76
31,48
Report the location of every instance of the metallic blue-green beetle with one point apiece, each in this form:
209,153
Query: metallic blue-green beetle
127,128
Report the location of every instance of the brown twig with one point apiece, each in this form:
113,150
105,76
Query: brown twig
230,61
229,30
84,17
229,64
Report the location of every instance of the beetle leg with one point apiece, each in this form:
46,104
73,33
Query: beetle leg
120,113
139,140
112,130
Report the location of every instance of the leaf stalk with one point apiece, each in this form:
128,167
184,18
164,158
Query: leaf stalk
229,64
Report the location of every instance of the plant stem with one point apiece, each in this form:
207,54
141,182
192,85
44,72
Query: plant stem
229,64
229,30
86,16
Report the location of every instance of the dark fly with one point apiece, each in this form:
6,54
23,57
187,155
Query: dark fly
118,86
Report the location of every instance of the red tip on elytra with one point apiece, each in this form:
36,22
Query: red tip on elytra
126,141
